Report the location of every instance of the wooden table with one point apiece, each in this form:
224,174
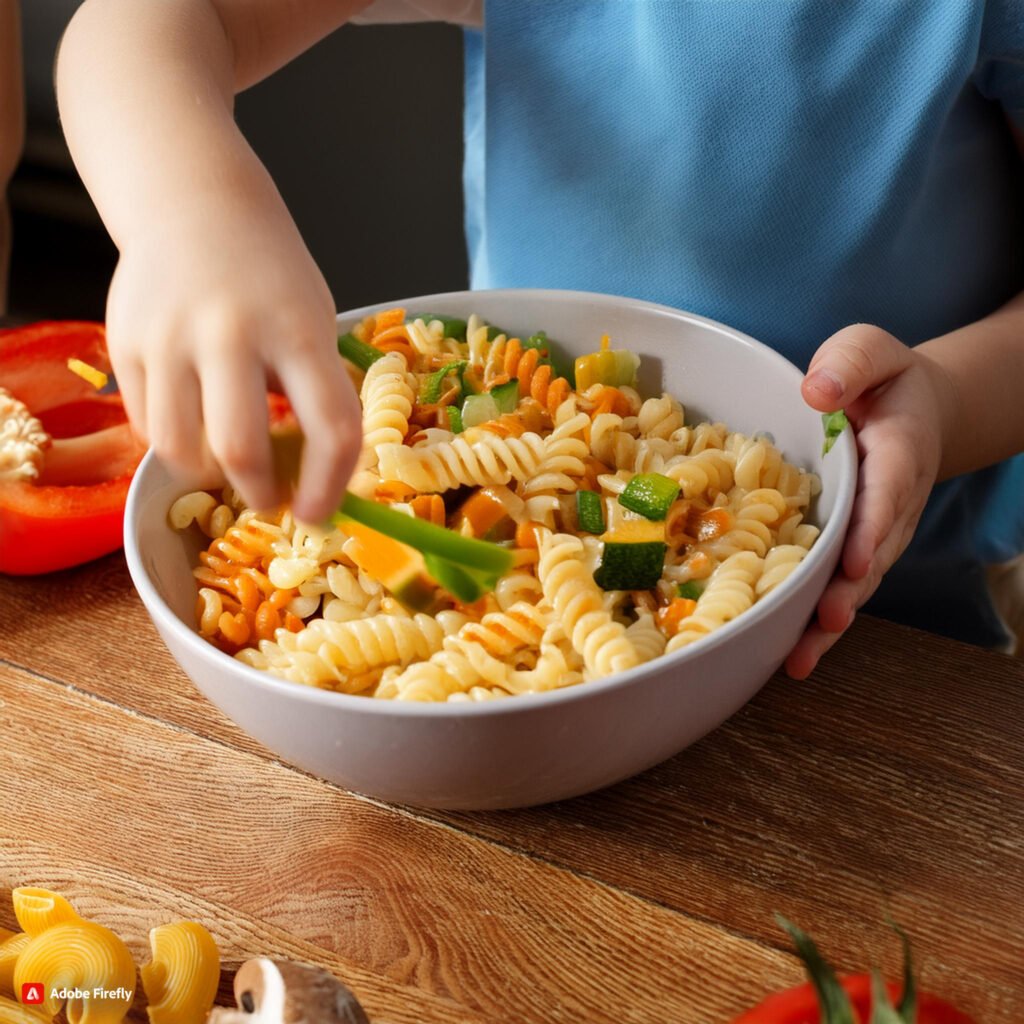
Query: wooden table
892,781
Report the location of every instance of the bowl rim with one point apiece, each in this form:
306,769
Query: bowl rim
832,534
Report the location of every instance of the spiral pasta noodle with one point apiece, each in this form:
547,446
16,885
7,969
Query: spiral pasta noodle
388,400
729,593
488,460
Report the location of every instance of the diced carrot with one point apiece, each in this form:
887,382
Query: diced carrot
393,490
673,614
526,535
429,507
482,510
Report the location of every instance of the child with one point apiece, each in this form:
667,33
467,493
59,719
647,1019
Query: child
792,167
12,126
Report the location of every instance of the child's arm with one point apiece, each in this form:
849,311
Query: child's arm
12,125
215,291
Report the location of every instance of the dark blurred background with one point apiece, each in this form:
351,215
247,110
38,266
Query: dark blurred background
363,135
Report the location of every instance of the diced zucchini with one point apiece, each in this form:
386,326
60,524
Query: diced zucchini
358,352
589,512
691,590
650,495
631,566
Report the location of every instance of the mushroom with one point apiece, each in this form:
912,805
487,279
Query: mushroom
279,992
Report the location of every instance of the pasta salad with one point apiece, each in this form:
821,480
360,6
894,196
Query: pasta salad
625,532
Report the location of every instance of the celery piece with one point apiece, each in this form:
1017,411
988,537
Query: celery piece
650,494
358,352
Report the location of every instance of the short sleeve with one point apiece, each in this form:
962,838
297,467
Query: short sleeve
395,12
1000,72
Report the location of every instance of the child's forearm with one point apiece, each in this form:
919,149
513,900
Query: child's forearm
146,95
983,364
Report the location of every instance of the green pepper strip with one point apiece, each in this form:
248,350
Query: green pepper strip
430,389
834,423
458,580
479,555
358,352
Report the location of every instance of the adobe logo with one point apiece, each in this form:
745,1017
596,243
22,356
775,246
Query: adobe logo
32,993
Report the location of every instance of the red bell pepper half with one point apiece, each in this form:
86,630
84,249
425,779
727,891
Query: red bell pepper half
74,511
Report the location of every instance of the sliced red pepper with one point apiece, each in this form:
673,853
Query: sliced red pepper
75,511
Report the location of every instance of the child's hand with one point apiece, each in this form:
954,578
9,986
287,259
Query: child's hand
898,400
202,312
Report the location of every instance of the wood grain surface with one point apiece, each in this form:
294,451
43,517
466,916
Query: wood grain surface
892,781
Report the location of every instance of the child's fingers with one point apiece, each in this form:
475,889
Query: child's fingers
327,408
237,424
852,361
844,596
803,659
174,413
131,384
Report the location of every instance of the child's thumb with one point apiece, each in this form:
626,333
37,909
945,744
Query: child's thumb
854,360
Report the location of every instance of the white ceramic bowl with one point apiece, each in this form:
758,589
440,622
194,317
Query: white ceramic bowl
535,748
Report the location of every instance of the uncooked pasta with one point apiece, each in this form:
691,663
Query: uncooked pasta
632,532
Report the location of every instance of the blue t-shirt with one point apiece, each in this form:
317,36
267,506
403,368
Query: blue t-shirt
786,166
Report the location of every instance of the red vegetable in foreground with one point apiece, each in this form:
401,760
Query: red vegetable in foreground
854,999
73,510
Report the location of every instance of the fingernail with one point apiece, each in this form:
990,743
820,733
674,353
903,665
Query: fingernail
826,383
